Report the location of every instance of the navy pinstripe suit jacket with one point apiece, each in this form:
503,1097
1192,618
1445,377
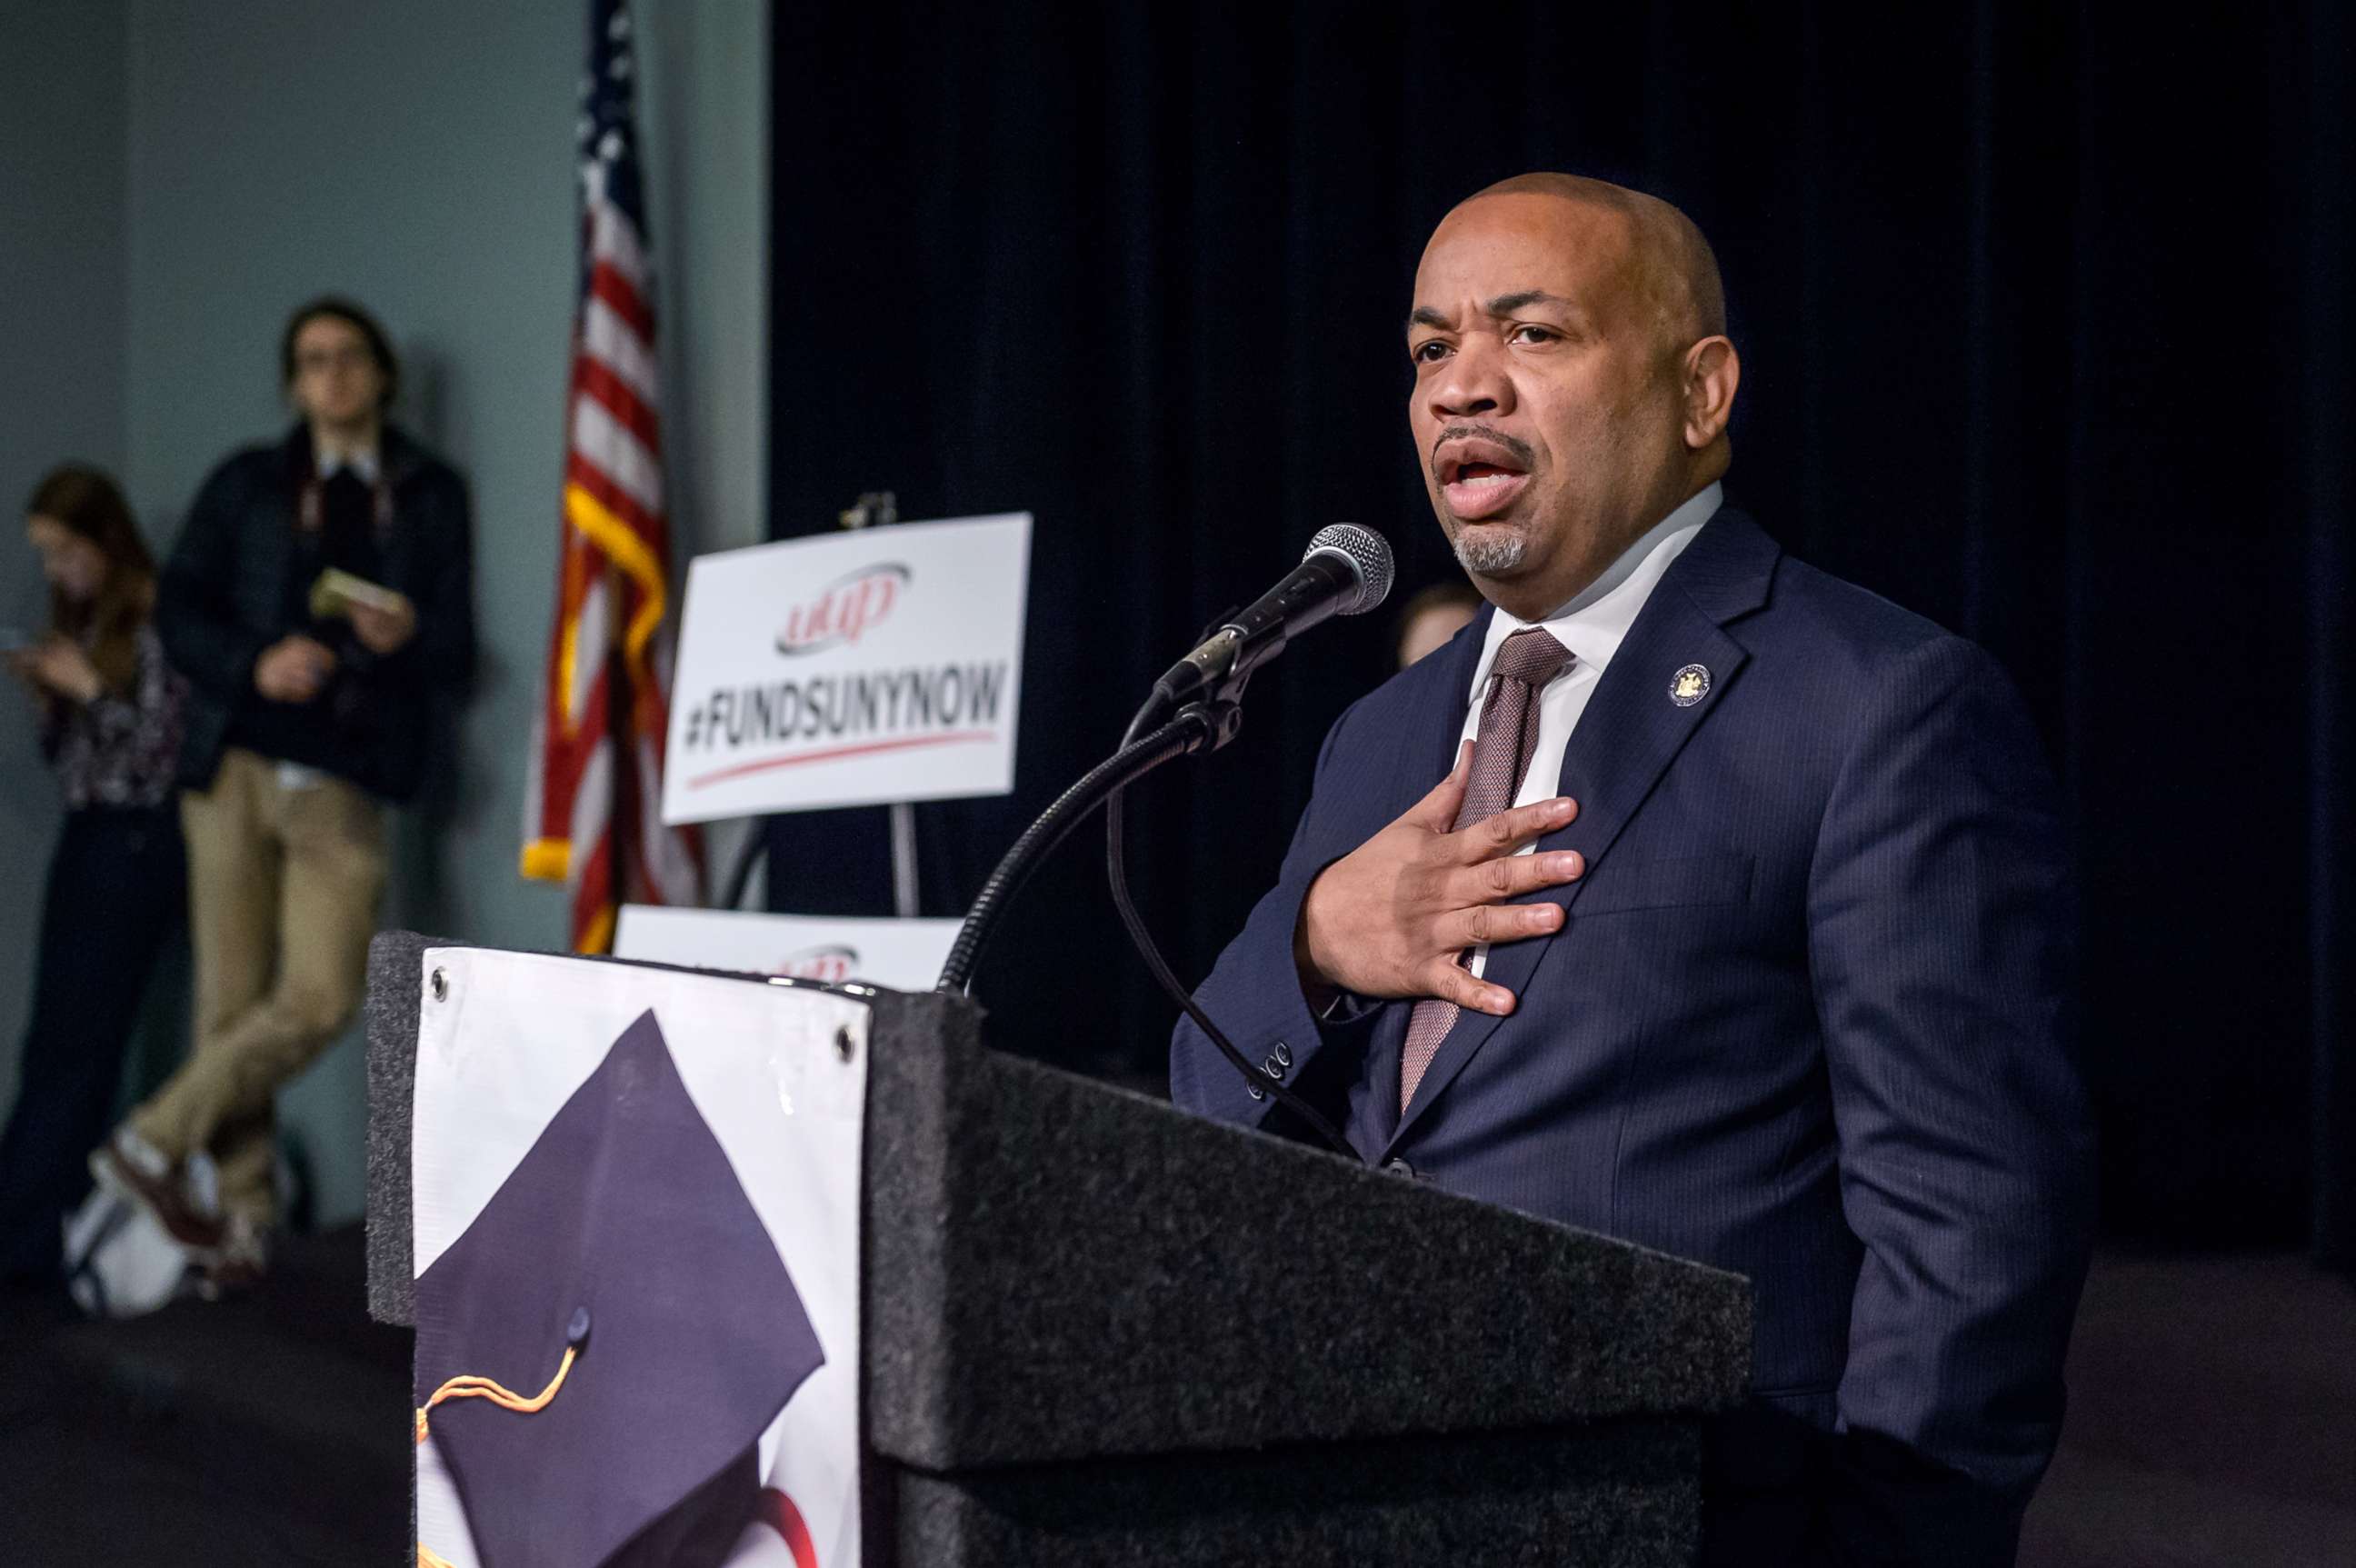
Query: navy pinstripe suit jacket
1808,1019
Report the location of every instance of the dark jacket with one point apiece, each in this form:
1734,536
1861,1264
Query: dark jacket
226,591
1808,1017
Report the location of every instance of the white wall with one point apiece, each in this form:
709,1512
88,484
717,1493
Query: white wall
418,155
704,107
705,111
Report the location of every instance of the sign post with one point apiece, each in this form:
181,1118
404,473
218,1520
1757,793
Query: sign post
881,509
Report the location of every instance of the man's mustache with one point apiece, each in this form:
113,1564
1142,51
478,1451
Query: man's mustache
1513,443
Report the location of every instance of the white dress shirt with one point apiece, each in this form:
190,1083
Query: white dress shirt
363,461
1593,627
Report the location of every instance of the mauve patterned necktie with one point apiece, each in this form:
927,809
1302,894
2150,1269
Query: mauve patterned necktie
1501,755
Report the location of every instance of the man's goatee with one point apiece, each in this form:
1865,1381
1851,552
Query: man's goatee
1490,557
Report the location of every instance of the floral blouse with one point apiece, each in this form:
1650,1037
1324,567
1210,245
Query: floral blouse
119,750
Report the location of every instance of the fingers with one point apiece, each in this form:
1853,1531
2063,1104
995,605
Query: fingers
293,672
1437,811
1450,982
1509,831
1512,876
1489,923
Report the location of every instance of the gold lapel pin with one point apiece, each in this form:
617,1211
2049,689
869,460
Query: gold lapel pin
1690,686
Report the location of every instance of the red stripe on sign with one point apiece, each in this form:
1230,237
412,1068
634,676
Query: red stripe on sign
778,1512
831,753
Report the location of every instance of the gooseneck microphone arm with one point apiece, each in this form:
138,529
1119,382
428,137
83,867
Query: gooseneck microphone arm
1347,572
1141,937
1194,724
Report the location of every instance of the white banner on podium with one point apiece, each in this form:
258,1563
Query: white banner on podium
636,1233
905,955
865,668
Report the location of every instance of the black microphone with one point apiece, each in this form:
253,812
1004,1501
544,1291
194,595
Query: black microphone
1347,572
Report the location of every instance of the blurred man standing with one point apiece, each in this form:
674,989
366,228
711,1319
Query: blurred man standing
320,602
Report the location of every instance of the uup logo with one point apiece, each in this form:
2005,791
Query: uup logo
844,610
830,963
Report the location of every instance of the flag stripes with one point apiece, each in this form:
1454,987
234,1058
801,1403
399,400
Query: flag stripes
595,797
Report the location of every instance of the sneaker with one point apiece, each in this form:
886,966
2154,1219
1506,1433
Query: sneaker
242,1261
200,1184
129,1165
119,1262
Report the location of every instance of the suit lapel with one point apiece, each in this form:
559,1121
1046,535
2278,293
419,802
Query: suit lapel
1435,721
1437,715
1633,729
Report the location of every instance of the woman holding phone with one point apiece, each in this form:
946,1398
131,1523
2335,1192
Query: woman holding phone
109,711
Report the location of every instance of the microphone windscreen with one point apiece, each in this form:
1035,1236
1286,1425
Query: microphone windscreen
1363,549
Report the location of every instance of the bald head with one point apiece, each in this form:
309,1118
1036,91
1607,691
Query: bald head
1572,379
1673,265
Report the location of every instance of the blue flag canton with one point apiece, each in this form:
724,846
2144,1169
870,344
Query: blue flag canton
607,132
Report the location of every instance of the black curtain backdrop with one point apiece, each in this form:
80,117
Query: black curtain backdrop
2045,333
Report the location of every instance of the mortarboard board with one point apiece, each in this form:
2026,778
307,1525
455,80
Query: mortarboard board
621,1277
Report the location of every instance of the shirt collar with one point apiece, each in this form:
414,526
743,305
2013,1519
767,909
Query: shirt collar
1595,621
363,461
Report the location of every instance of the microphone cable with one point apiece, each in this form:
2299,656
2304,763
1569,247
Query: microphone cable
1117,875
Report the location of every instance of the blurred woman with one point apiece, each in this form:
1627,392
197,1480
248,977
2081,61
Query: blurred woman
108,710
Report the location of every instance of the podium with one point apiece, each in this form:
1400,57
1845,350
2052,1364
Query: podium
1099,1330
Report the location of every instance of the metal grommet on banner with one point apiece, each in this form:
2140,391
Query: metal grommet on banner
843,1044
440,985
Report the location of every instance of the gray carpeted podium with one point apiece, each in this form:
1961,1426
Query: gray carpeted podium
1100,1331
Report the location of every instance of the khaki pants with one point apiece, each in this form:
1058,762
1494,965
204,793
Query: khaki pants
282,889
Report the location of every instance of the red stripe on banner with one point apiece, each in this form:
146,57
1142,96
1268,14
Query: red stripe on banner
777,1511
868,750
599,381
607,283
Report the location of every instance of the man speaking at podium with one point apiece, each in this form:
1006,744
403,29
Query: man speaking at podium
1696,897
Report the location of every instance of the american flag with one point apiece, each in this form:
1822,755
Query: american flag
593,806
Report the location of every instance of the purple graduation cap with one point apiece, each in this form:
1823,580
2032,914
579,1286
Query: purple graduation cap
625,1237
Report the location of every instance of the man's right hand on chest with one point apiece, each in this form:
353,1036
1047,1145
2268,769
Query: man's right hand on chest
1389,918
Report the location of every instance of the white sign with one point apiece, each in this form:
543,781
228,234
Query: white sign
850,669
905,955
524,1063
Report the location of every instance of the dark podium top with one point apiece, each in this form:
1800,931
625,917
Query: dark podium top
1061,1274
